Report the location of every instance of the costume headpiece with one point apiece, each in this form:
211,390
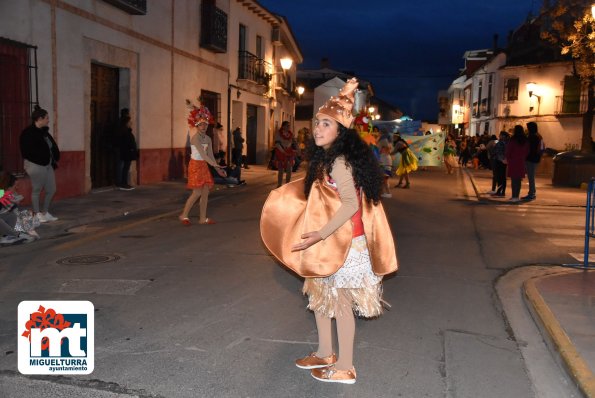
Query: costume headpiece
339,108
198,114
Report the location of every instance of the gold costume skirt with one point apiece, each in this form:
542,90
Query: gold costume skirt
408,163
355,280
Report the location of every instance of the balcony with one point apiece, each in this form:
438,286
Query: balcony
253,69
285,83
213,28
132,7
571,105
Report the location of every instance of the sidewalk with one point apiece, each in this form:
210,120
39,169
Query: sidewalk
561,301
74,214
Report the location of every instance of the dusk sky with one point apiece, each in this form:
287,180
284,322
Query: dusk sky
408,50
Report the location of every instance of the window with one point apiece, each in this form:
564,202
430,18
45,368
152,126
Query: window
213,27
571,98
483,108
511,89
242,38
132,7
489,106
18,94
211,100
259,52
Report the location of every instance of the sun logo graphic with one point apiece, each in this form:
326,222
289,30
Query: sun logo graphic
56,337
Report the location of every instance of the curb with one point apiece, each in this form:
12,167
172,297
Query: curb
576,366
473,184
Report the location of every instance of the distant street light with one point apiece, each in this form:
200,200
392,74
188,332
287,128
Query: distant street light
377,117
371,109
300,90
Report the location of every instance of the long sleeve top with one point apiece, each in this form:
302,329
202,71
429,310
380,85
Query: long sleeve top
38,146
343,178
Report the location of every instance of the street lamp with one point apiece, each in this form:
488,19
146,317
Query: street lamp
377,117
593,10
300,90
286,63
371,109
531,86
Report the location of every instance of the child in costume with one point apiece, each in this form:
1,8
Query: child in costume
200,179
449,154
343,174
407,164
284,153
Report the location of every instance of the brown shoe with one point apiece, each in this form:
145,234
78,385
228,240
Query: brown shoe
332,375
313,362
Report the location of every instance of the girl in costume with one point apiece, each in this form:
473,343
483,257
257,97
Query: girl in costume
339,159
407,164
200,179
449,154
284,153
385,147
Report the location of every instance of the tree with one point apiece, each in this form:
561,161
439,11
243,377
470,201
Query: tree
570,25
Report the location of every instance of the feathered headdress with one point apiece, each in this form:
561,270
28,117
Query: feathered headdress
198,114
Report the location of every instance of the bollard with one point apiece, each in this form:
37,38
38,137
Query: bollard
589,226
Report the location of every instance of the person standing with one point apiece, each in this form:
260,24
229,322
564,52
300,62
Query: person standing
385,148
490,147
200,179
499,154
219,143
238,147
128,152
449,154
342,166
41,155
536,148
284,153
516,153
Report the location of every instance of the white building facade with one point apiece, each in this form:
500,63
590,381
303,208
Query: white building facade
88,59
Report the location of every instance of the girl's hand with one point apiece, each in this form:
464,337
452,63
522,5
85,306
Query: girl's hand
310,239
221,172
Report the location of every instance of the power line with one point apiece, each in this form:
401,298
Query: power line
390,76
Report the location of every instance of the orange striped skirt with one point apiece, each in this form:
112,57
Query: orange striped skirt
199,175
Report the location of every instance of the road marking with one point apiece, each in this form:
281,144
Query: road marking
107,232
581,257
567,232
565,242
125,287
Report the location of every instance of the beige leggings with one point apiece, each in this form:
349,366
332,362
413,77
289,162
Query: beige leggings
203,194
345,333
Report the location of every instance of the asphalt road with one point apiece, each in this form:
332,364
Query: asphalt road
204,311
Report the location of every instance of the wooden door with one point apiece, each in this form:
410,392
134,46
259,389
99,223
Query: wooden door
104,119
211,100
251,132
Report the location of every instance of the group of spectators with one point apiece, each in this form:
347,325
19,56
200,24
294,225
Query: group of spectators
511,155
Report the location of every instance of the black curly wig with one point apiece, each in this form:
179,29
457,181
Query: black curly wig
358,156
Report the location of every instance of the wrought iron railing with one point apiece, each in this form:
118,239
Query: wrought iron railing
133,7
568,105
253,68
